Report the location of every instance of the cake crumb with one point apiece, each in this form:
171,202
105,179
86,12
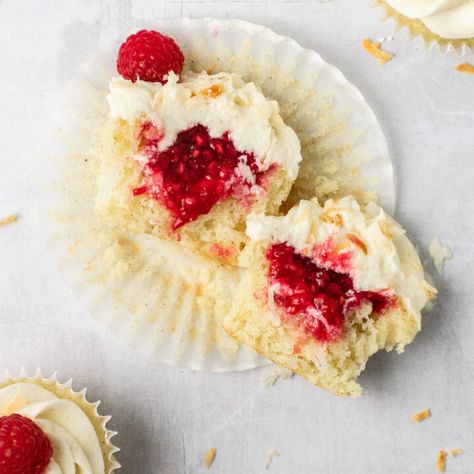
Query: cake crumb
270,455
209,457
270,375
439,253
8,220
421,415
441,461
374,49
466,68
456,452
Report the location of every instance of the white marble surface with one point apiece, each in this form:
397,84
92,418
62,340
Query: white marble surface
167,418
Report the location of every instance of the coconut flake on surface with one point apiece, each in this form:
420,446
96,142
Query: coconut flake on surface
439,253
273,453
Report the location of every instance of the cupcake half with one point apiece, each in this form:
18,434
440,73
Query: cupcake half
441,21
49,428
327,288
188,160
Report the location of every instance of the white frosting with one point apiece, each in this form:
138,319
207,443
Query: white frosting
451,19
254,121
73,438
391,262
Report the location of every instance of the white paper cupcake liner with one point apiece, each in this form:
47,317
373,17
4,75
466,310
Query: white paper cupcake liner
153,295
415,31
65,390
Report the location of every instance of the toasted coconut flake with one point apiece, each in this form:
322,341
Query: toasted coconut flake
384,228
335,220
430,290
374,49
209,457
8,220
466,68
441,461
421,415
356,241
212,91
456,452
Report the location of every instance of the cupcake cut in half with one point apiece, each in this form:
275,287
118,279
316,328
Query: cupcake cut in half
328,287
189,159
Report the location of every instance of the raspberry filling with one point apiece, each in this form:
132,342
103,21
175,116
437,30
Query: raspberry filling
195,172
314,298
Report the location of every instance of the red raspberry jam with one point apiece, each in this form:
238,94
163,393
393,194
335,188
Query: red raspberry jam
195,172
314,298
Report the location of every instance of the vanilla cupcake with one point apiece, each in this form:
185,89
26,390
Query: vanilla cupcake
189,157
46,427
446,22
326,289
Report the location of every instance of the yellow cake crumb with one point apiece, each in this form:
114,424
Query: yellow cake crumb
456,452
466,68
8,220
441,461
209,457
374,49
421,415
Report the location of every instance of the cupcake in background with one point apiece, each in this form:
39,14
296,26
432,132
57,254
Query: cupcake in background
445,22
47,427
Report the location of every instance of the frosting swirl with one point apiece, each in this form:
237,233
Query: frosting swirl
219,102
72,435
450,19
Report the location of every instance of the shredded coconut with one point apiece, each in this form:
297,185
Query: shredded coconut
209,457
456,452
270,455
441,461
421,416
8,220
270,375
439,253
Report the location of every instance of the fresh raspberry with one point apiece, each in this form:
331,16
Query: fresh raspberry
24,447
149,56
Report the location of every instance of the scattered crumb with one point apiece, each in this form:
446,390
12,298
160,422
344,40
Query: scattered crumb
465,68
374,49
456,452
270,455
209,457
439,253
270,375
421,415
441,461
8,220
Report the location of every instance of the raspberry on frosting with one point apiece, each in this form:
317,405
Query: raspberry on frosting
149,56
24,447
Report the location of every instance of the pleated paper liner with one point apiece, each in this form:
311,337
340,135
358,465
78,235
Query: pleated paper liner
419,32
65,391
152,294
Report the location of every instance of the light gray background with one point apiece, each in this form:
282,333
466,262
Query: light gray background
167,418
